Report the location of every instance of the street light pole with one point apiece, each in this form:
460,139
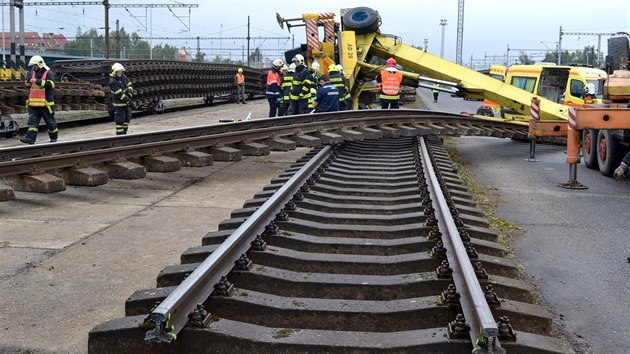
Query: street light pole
443,24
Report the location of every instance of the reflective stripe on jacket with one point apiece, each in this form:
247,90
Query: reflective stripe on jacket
273,83
41,93
390,83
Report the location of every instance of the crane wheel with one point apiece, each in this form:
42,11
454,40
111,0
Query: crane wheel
361,20
589,148
610,152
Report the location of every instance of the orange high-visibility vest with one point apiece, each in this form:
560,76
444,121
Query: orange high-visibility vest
37,94
390,82
240,79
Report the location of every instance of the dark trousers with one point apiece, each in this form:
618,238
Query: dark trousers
435,96
273,105
122,117
35,115
298,107
389,104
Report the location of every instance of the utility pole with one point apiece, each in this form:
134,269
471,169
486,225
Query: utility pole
12,63
117,40
248,38
460,31
443,24
106,7
426,44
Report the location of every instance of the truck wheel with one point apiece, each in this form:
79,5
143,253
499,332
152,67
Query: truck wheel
589,148
609,152
618,48
361,20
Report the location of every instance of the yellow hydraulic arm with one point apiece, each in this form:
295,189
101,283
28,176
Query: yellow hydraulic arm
474,84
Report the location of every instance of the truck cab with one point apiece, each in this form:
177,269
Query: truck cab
561,84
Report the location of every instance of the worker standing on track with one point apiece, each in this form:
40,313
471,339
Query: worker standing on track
41,83
273,87
287,82
327,96
239,82
389,80
301,87
338,80
122,92
284,70
436,92
315,73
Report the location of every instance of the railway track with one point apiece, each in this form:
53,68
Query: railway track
361,247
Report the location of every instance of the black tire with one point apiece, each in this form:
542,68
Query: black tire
361,20
589,148
609,152
618,48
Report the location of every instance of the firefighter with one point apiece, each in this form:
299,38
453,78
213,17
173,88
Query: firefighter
621,171
338,80
273,87
239,82
122,92
287,80
588,94
327,96
436,92
41,83
389,81
301,87
283,72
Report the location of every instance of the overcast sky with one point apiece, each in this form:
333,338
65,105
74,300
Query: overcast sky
489,25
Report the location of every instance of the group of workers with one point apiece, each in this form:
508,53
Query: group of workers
296,89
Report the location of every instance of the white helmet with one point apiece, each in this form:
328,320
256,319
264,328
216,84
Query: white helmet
298,58
315,66
37,60
340,68
278,63
118,67
284,68
292,67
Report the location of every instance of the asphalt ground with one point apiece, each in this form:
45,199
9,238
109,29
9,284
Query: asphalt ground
69,260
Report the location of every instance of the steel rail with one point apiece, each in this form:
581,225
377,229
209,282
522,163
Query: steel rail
172,314
473,302
337,120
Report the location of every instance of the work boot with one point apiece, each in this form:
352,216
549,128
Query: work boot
29,138
53,135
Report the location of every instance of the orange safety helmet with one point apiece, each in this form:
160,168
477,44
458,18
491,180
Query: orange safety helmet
390,62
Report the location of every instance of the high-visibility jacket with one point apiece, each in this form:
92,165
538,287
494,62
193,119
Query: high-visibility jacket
434,90
287,82
390,85
41,94
341,83
273,84
120,88
302,83
239,79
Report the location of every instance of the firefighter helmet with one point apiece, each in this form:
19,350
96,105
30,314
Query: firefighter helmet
117,67
390,62
36,60
332,68
277,63
292,67
340,68
284,68
299,58
240,70
315,66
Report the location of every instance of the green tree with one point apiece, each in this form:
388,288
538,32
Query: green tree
86,44
164,52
